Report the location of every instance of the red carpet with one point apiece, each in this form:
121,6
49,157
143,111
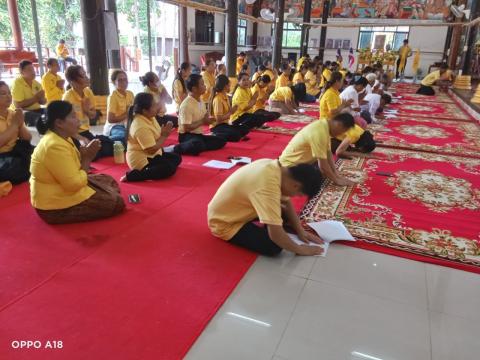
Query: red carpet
450,111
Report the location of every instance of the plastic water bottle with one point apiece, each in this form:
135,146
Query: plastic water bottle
118,152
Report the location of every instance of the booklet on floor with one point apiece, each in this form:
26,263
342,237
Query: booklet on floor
219,164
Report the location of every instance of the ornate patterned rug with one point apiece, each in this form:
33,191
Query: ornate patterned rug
412,204
443,137
449,111
439,97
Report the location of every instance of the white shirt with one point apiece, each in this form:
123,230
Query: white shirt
350,94
369,89
373,104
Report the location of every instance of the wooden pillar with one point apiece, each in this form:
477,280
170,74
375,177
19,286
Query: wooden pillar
183,34
231,35
278,36
323,33
37,35
472,35
455,42
113,55
95,50
15,23
307,9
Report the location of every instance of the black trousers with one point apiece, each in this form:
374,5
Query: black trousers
257,119
398,66
15,164
162,120
32,116
366,116
107,144
231,133
159,167
194,144
426,90
256,238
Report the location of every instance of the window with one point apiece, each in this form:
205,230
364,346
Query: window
292,35
204,27
242,32
379,37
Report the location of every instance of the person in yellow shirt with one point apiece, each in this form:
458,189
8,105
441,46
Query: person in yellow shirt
179,90
311,82
64,55
15,148
403,53
330,102
28,94
52,83
261,88
299,77
221,112
262,190
118,104
362,141
272,73
327,72
192,117
242,57
81,97
287,99
221,69
312,145
260,70
303,60
435,77
146,157
152,85
284,78
61,191
209,79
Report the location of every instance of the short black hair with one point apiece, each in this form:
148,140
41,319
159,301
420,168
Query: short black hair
346,119
366,143
265,78
242,54
362,81
367,70
307,175
23,64
261,68
405,41
284,66
299,92
61,41
444,66
193,81
51,61
387,98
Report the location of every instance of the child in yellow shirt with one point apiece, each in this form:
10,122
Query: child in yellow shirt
209,79
179,90
153,86
284,78
52,83
145,155
15,148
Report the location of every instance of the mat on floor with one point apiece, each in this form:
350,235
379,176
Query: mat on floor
416,205
449,111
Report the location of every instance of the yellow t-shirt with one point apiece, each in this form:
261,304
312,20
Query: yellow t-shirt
326,75
190,111
22,91
282,81
330,101
251,192
49,84
143,134
209,80
177,92
300,62
309,144
431,78
157,97
220,106
57,181
239,64
241,98
353,134
117,104
282,94
76,100
404,51
4,125
262,97
62,50
311,83
298,78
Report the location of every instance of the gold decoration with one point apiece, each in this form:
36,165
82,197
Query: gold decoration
463,82
476,97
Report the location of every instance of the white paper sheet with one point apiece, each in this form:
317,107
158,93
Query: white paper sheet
297,241
331,230
219,164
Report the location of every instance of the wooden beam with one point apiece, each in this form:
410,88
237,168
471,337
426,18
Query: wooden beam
15,23
307,10
231,35
278,36
183,34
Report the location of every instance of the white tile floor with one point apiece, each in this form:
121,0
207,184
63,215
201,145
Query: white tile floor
351,305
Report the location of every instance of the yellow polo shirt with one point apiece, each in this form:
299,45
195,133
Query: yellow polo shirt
76,100
327,74
143,134
431,78
241,98
311,83
239,64
157,97
298,78
308,145
190,111
353,134
178,92
300,62
404,51
49,84
282,81
262,97
4,125
330,101
62,50
22,91
209,80
220,106
251,192
282,94
117,104
57,181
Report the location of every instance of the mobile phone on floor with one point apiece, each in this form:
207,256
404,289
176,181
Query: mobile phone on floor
134,198
384,173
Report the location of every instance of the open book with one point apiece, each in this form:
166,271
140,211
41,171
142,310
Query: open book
329,231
